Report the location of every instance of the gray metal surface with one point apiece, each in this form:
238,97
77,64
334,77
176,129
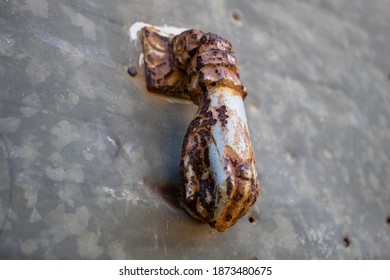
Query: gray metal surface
89,160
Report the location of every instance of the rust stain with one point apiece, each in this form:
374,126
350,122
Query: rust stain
217,168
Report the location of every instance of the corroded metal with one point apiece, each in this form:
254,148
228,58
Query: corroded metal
217,168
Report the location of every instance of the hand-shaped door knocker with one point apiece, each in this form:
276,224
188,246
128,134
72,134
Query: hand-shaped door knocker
217,167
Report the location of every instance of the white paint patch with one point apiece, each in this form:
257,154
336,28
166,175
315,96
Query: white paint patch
141,59
137,26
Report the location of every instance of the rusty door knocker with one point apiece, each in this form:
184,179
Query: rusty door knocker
217,166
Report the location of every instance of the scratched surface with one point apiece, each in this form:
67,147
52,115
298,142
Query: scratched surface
89,159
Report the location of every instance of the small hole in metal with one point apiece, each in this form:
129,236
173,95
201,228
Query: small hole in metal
388,220
346,241
251,220
236,16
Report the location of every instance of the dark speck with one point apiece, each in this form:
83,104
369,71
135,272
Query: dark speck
236,16
132,71
346,241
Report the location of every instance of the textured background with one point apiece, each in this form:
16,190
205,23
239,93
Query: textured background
88,157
